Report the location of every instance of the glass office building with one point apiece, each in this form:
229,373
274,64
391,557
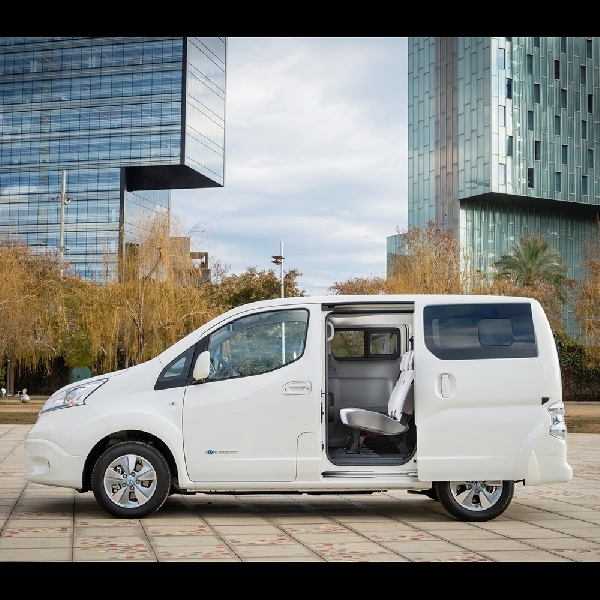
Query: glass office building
503,140
129,118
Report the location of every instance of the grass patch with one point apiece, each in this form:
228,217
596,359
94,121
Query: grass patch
583,425
18,418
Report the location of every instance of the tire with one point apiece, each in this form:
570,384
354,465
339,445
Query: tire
483,501
140,471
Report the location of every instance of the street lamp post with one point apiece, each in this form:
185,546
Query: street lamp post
63,202
278,260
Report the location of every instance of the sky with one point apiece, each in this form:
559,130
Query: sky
315,156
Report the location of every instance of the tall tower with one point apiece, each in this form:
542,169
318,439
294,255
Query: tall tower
504,139
128,118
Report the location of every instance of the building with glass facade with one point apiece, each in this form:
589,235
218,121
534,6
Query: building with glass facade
129,118
503,140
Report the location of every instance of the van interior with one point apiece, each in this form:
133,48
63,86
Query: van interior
369,386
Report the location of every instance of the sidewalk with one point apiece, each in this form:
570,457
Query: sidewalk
550,523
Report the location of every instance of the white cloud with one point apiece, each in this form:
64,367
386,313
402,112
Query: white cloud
315,156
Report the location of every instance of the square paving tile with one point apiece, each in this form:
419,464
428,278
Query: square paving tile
525,556
35,554
284,559
196,552
102,548
247,529
494,544
38,532
408,546
178,531
311,528
119,523
41,543
454,556
170,543
591,554
258,539
563,543
264,551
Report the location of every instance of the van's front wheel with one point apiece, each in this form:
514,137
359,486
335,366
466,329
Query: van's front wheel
131,480
475,500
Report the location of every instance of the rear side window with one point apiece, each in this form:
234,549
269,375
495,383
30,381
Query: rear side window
348,344
478,331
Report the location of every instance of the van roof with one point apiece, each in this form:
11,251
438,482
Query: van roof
386,299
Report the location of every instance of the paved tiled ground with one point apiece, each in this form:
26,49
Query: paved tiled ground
550,523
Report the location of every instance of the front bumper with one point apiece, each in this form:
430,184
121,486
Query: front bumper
50,464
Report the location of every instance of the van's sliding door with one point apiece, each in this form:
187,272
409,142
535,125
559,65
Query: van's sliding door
477,389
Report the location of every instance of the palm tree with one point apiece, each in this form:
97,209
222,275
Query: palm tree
532,261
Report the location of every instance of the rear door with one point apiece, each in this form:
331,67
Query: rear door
477,389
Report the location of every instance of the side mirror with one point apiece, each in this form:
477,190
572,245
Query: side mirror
202,366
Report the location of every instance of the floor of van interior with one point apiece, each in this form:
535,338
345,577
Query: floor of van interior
377,456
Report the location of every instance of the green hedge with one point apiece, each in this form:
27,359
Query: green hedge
580,371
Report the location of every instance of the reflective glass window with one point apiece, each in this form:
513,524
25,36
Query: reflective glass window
479,331
257,344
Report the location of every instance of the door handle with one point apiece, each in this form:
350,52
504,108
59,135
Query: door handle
297,388
445,387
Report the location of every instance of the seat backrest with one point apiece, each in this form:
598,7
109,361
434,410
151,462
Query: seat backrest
401,392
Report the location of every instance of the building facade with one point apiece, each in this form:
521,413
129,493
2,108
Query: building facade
128,118
504,140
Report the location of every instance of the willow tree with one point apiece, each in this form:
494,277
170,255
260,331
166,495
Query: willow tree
31,316
429,262
156,298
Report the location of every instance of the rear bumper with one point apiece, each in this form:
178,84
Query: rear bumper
549,468
50,464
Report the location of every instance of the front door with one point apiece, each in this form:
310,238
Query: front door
477,389
243,422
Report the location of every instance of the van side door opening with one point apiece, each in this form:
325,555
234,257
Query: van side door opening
365,350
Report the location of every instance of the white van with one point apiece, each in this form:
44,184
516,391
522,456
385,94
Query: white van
455,397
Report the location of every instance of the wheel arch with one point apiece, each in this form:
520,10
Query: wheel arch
127,435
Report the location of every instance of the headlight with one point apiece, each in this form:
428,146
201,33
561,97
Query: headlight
558,429
73,396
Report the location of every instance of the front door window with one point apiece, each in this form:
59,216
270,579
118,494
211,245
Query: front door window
257,344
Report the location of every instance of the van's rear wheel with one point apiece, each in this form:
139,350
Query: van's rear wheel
475,500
